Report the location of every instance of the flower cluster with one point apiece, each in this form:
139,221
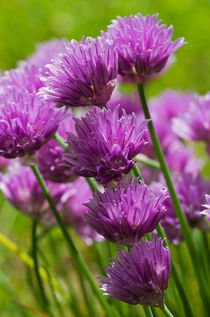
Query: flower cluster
20,187
102,141
140,276
195,123
26,123
143,46
84,75
105,145
125,213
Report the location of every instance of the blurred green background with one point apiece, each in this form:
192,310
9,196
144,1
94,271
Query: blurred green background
23,23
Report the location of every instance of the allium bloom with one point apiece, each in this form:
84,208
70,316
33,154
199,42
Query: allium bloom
191,193
26,77
125,214
45,52
143,46
26,123
77,194
105,145
84,75
140,276
182,160
20,187
195,124
170,104
50,159
206,212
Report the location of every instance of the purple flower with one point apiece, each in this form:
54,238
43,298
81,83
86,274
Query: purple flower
105,145
50,159
45,53
26,77
84,75
195,124
125,213
140,276
20,187
163,109
170,104
77,194
206,212
143,46
182,160
26,123
191,193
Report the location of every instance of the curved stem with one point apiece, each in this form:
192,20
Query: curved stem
176,203
137,172
77,257
147,161
166,311
45,304
62,143
148,311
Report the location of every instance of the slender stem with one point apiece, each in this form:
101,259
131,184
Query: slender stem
175,275
77,257
176,203
148,311
62,143
45,304
92,183
166,311
137,172
147,161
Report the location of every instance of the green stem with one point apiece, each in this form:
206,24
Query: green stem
137,172
147,161
176,203
166,311
148,311
175,275
92,183
45,304
62,143
77,257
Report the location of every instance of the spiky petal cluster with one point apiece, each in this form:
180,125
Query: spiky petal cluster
77,194
27,75
195,124
106,144
125,214
50,159
143,46
206,212
84,75
26,123
140,276
45,52
20,187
